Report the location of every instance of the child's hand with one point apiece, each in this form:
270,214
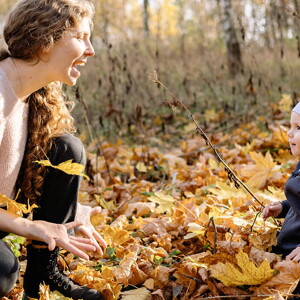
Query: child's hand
272,210
294,255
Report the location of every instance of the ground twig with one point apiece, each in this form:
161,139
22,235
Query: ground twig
231,175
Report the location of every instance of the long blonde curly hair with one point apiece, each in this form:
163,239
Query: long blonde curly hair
32,26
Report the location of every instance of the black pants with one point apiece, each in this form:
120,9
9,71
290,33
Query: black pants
57,204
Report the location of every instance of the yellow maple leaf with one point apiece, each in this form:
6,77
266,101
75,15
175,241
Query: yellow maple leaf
165,202
244,272
264,170
68,167
15,207
226,190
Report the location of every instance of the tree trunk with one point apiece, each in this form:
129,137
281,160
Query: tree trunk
234,55
146,18
297,25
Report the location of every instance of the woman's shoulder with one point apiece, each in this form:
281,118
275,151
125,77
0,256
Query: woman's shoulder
9,102
5,87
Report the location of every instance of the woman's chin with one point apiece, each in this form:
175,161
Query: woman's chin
71,81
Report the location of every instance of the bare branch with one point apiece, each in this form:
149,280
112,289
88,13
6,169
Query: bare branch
231,175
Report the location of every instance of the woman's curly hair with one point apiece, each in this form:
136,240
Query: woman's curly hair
31,27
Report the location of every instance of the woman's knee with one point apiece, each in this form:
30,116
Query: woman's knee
9,269
66,147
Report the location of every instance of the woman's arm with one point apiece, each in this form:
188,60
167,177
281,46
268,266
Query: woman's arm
50,233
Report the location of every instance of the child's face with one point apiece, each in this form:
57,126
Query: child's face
294,134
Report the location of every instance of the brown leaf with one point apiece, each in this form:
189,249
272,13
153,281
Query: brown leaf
123,273
139,209
258,256
154,226
286,280
136,294
161,276
158,295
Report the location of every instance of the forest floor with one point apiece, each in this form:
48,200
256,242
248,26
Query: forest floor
180,226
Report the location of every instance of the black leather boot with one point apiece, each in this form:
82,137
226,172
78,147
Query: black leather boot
42,268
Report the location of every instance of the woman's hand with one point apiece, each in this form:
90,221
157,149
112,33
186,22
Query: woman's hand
57,235
50,233
294,255
87,230
272,210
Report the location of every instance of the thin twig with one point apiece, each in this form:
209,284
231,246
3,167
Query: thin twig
231,175
251,228
211,220
191,277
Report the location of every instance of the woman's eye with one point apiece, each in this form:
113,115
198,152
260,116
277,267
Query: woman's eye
80,37
298,127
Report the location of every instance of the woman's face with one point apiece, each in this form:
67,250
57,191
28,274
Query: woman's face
68,53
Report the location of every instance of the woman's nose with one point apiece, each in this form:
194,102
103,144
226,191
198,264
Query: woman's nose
89,51
290,133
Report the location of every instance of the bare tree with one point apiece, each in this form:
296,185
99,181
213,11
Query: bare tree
146,17
234,54
297,25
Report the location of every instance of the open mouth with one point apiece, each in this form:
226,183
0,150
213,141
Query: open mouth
76,65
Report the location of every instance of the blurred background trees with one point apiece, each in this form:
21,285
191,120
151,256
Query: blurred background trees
234,56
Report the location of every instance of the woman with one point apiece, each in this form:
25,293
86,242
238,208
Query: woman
46,42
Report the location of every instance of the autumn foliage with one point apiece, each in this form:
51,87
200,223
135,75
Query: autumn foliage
177,227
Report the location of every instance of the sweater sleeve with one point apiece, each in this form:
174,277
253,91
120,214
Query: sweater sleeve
285,208
292,190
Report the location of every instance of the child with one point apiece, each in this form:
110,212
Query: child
288,239
46,42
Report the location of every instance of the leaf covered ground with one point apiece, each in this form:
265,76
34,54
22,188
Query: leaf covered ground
177,227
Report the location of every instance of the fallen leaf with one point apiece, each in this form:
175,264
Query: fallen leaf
165,202
264,170
67,166
15,207
136,294
243,273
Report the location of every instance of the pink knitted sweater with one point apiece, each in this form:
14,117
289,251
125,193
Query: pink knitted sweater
13,135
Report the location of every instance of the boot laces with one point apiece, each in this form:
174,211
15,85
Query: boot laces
55,274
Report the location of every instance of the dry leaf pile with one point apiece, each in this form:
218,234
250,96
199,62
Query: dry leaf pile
177,228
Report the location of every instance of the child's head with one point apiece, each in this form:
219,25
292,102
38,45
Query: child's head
35,25
294,132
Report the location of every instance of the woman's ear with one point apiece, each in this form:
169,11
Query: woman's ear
45,50
44,53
